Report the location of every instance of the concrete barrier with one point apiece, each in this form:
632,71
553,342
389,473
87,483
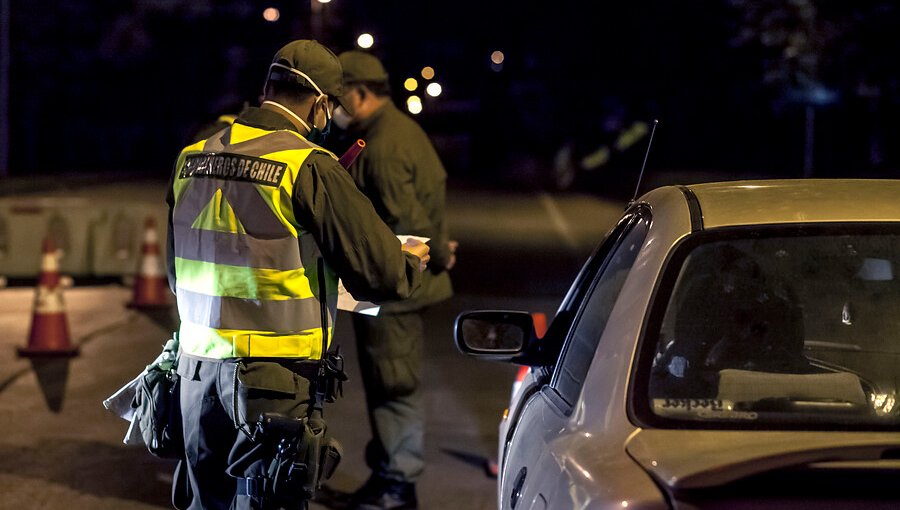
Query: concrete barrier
98,234
117,235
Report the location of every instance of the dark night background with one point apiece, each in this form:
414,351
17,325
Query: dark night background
117,87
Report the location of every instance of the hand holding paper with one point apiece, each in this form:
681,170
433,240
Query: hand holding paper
412,244
417,246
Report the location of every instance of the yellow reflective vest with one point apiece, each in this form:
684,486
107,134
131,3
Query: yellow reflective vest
247,275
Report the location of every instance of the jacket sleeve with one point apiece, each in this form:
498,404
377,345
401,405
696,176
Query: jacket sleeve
391,179
354,241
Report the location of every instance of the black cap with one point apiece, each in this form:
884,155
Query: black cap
309,64
360,66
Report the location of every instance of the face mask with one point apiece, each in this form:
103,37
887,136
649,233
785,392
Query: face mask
342,119
318,136
315,135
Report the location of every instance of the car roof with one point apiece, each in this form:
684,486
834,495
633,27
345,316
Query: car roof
726,204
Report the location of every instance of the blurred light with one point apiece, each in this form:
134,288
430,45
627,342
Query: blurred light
410,84
365,41
414,105
428,73
497,57
884,403
324,1
434,89
624,504
271,14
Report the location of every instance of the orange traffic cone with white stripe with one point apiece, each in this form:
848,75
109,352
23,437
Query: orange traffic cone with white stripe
150,287
49,335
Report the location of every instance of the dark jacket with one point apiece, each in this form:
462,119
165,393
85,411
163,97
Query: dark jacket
402,175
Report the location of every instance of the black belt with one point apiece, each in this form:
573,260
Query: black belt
308,368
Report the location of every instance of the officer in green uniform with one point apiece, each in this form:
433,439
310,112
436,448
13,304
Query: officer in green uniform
262,222
402,175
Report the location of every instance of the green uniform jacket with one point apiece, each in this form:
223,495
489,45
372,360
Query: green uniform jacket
353,240
402,175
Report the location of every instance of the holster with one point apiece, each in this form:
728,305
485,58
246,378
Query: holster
304,456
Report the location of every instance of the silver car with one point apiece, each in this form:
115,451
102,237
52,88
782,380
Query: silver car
728,345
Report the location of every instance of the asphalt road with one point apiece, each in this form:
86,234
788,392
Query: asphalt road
59,449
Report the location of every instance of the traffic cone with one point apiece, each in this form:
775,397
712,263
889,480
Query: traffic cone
540,324
49,335
150,287
540,329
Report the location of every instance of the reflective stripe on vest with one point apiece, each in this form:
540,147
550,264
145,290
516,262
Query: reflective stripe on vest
246,273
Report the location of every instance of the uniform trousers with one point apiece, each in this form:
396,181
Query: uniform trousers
390,356
218,397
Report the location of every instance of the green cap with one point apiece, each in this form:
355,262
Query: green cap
309,64
361,66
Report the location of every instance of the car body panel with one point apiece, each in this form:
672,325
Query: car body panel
797,201
701,460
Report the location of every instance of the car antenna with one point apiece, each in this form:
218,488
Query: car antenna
643,166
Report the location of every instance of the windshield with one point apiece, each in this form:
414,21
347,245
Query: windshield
797,329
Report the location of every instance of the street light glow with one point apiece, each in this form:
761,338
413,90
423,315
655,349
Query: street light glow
414,105
324,1
365,41
497,57
410,84
433,89
271,14
428,72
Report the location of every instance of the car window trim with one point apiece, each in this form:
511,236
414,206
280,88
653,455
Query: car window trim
624,228
694,208
552,343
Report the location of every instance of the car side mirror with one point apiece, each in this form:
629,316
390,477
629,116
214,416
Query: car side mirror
494,334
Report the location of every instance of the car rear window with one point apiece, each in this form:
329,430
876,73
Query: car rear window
798,328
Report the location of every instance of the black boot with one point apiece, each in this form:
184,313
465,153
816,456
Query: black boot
384,494
332,498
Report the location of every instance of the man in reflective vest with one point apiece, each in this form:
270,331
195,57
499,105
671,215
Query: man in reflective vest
262,222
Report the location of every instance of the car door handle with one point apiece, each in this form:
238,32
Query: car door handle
516,493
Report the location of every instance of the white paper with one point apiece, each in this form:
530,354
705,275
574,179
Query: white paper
119,403
403,238
348,303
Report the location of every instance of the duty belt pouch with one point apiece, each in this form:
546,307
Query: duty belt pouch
157,407
329,459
